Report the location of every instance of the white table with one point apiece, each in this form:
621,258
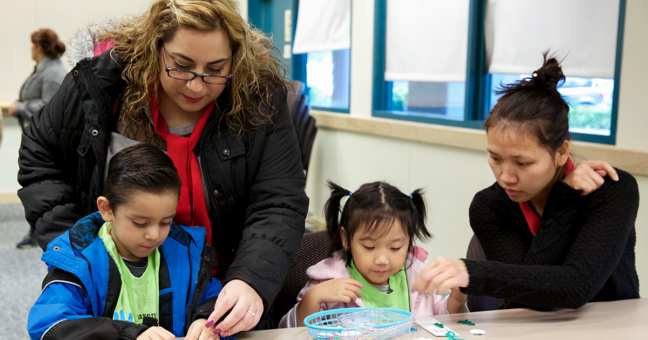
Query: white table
618,320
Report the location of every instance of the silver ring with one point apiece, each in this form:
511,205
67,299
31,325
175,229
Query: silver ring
251,312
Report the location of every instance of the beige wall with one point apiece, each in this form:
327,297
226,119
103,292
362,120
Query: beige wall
19,18
451,176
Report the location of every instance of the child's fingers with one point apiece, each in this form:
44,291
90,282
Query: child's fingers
194,332
157,333
354,283
355,290
208,335
347,294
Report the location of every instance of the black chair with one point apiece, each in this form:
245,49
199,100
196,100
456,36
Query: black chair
303,121
313,249
479,303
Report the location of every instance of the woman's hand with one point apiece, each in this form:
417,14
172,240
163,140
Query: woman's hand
12,108
246,308
198,331
441,274
588,176
456,302
156,333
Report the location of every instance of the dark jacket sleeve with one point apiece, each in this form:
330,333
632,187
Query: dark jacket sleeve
608,219
276,211
47,195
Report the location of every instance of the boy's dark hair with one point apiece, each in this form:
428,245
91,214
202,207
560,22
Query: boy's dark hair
141,167
376,206
534,104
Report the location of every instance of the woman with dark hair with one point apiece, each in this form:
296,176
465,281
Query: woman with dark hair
47,77
555,235
192,78
39,88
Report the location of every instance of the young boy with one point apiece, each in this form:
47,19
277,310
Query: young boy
128,271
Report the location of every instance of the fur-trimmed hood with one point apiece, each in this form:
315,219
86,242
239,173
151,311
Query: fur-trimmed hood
82,44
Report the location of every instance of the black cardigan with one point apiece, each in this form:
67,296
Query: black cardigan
583,251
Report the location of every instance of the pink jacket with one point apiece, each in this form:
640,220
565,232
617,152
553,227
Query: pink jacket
335,268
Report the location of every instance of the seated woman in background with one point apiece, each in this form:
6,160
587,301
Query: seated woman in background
555,235
373,261
39,88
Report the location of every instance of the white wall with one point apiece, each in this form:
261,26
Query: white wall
19,18
451,176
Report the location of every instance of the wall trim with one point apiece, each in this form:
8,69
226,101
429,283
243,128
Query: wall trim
9,197
632,161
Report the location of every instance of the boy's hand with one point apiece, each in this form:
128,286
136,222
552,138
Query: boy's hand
156,333
198,331
337,290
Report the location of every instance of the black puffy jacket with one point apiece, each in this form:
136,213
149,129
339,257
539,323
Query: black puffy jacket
255,183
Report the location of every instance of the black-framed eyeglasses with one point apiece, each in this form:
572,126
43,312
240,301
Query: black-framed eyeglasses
186,75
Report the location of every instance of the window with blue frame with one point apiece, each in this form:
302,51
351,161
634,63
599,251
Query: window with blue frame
328,79
589,99
591,40
322,52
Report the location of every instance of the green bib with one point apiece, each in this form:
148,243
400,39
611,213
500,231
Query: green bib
139,296
372,297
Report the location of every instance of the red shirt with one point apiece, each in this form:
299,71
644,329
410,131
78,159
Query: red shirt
533,220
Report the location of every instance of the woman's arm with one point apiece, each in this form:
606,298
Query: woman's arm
47,196
276,211
51,83
608,222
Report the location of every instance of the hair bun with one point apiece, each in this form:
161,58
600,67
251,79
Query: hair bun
60,47
550,76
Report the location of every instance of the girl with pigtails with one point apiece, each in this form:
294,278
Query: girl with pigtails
373,260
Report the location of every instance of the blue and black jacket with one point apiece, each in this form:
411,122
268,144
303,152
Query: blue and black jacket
82,286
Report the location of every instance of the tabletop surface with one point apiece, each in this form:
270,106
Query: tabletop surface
626,319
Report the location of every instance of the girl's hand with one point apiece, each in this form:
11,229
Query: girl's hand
156,333
246,306
588,176
441,274
198,331
337,290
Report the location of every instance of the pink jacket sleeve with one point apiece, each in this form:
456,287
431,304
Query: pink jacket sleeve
288,320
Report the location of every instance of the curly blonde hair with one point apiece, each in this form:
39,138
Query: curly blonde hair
255,68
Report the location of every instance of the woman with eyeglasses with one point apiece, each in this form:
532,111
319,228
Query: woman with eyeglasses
194,79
